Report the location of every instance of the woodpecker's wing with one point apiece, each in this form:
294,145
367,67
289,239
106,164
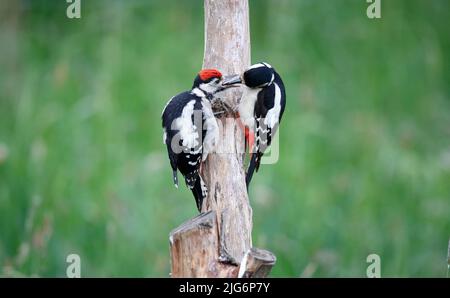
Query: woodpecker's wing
181,134
167,114
269,109
190,131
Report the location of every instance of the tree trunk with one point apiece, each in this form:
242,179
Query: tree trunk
227,48
215,243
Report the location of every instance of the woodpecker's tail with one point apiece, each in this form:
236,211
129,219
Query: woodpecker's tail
175,178
253,166
199,191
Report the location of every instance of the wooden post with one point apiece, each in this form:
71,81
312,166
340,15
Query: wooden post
218,242
227,47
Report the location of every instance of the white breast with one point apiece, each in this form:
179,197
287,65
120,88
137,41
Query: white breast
247,106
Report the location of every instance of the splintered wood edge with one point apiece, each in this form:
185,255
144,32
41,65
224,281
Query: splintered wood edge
203,220
256,263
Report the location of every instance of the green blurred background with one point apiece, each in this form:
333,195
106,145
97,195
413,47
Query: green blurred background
364,145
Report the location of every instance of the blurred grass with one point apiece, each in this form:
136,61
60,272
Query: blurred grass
365,140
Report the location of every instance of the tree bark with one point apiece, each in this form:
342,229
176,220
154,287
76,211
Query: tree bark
216,242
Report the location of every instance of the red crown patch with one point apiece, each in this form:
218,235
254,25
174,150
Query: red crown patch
206,74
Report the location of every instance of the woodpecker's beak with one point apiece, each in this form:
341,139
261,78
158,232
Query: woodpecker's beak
231,81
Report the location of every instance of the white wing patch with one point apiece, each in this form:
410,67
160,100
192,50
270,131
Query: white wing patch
273,115
187,129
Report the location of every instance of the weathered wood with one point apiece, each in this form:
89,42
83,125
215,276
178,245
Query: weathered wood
257,263
214,243
194,250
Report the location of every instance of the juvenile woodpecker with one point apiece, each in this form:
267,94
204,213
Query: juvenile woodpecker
260,109
191,131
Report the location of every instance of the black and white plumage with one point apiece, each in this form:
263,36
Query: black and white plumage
260,109
191,131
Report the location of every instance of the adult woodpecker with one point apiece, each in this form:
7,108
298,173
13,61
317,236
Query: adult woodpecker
191,131
260,109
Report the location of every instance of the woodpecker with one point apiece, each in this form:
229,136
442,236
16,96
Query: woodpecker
260,109
190,130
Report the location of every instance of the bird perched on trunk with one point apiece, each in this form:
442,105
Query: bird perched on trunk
260,109
191,131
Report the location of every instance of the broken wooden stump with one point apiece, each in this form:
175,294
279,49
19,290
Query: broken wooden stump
194,251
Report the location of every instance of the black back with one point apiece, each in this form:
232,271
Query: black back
174,110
